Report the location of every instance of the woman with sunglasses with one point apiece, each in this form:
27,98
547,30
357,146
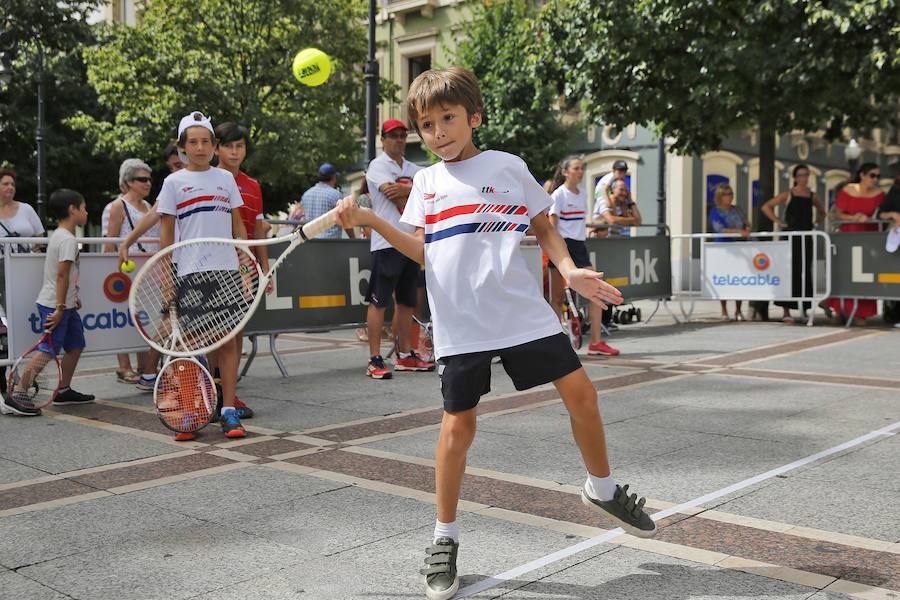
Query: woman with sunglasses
855,207
118,220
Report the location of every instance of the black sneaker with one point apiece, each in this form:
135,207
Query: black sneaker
18,404
441,580
70,396
627,511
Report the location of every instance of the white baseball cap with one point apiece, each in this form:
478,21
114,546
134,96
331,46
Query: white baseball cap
194,119
893,240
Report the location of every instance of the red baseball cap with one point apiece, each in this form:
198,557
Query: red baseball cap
392,124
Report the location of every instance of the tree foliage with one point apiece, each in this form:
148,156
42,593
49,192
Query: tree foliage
521,113
231,59
700,69
61,27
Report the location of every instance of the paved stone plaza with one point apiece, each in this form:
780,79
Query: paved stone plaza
331,494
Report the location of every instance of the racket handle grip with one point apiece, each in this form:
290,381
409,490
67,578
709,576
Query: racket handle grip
319,224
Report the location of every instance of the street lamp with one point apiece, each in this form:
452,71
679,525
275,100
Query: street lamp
852,153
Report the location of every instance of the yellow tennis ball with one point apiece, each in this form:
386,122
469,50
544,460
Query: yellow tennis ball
312,67
128,266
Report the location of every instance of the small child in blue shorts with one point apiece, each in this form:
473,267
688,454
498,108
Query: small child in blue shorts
470,212
58,302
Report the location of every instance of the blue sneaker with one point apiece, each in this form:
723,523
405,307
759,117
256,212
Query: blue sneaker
231,424
146,384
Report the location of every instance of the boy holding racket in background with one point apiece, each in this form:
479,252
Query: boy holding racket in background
205,201
58,305
470,213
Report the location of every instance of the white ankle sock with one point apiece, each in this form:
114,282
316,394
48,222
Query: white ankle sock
450,530
602,488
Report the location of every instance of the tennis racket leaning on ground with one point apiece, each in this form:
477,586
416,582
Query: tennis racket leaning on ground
184,393
206,289
35,375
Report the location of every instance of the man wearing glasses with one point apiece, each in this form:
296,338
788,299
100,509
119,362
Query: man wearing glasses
390,177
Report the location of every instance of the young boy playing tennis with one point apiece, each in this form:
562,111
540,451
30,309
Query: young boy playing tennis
205,201
470,213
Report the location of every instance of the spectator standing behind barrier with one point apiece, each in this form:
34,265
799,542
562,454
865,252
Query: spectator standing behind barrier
567,214
890,206
603,192
856,206
621,212
390,178
728,218
321,198
171,158
118,220
798,216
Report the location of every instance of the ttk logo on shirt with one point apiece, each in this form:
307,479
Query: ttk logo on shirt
489,189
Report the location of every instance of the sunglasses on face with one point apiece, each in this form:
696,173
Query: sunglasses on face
873,175
141,179
396,136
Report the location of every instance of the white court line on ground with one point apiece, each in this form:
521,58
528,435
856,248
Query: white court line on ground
492,582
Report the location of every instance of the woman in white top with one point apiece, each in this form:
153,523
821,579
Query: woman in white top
118,220
17,219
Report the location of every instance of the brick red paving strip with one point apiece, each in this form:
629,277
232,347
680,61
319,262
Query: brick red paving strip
807,344
270,448
344,433
870,567
128,475
42,492
815,378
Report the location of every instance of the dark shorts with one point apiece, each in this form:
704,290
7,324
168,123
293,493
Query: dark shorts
578,252
68,334
200,300
465,378
392,274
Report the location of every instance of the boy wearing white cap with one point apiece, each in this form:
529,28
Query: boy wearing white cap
205,202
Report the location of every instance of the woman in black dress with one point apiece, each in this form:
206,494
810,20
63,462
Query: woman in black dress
798,216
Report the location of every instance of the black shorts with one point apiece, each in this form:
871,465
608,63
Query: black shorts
578,252
201,301
392,274
465,378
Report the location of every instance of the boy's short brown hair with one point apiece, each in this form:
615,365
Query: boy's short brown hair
455,85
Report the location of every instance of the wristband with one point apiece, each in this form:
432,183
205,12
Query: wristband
62,306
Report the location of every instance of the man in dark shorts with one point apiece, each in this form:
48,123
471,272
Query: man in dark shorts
390,178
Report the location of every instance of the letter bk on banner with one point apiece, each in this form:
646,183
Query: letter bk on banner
103,291
747,270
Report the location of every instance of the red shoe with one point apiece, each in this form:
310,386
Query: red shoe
377,369
413,362
602,348
185,436
244,411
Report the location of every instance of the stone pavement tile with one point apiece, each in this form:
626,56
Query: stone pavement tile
678,343
11,471
872,466
334,520
42,492
233,495
44,535
57,446
837,506
168,562
18,587
285,410
387,569
632,574
858,357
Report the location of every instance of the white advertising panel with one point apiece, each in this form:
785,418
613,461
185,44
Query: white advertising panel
103,290
747,270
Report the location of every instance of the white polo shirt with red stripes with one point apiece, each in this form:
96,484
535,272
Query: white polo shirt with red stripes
571,209
475,213
201,202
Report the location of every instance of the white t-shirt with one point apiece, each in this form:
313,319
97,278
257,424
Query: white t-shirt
602,189
126,227
475,213
25,223
201,202
60,248
570,208
383,169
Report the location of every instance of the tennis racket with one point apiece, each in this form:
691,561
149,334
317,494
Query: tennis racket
35,376
213,284
184,393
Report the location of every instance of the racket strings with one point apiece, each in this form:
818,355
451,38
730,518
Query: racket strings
30,383
209,303
185,395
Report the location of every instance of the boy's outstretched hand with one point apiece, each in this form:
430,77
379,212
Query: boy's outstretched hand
349,214
589,284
